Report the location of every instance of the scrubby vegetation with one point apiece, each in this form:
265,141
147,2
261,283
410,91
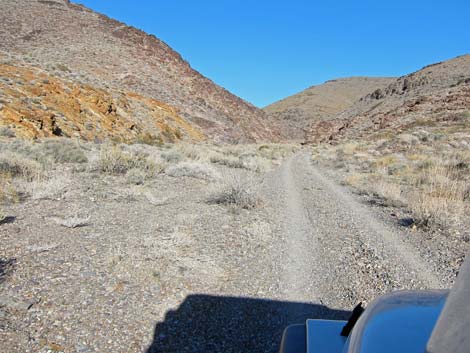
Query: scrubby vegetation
236,192
193,169
48,152
425,170
117,161
15,165
47,169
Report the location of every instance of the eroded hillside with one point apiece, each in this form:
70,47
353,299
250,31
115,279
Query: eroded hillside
407,147
76,44
436,96
35,104
321,102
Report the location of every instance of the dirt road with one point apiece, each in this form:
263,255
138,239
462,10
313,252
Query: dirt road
187,275
337,250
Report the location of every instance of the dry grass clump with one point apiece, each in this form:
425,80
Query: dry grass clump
236,192
443,193
428,210
192,151
8,191
15,165
149,139
389,191
21,177
349,148
274,151
7,132
115,161
255,163
52,186
136,176
60,152
355,180
49,152
193,169
2,215
257,158
248,161
384,162
427,171
172,156
226,160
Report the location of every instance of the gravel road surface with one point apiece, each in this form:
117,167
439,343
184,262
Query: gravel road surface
337,250
185,275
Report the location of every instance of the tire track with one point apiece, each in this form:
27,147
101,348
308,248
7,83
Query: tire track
336,251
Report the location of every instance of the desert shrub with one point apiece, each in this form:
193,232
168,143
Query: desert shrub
50,187
428,209
115,161
274,151
388,190
249,161
408,139
17,146
192,151
228,161
197,170
62,67
7,132
149,139
8,191
15,165
48,152
384,162
136,176
235,192
355,180
255,163
60,152
440,192
172,156
349,148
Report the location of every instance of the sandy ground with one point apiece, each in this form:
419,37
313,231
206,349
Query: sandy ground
179,274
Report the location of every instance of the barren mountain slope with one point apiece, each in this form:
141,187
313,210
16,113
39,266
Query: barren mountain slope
322,102
438,94
34,104
408,146
74,43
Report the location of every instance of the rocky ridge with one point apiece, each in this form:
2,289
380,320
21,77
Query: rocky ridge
35,104
436,94
321,102
100,52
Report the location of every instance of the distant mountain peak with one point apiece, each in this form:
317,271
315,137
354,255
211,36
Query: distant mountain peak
321,102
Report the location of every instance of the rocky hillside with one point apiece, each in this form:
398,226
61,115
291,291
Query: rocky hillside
106,78
437,95
35,104
322,102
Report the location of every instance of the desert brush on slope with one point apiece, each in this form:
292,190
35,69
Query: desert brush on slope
321,102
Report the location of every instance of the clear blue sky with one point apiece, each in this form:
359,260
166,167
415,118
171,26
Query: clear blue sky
265,50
